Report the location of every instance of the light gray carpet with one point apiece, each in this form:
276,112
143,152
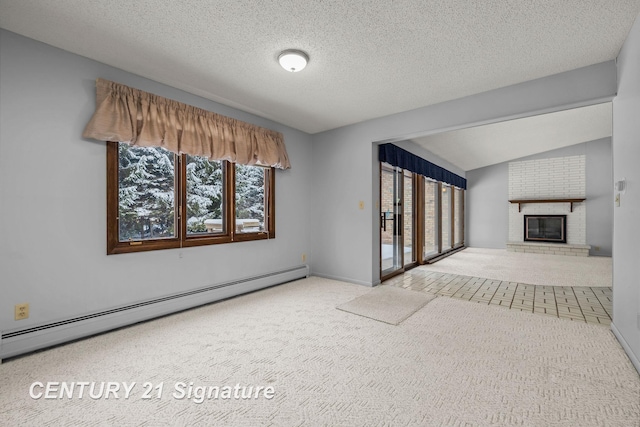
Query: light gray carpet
453,363
387,304
532,269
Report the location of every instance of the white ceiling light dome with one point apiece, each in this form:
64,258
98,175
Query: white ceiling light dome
293,60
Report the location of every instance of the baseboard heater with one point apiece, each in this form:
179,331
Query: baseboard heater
21,341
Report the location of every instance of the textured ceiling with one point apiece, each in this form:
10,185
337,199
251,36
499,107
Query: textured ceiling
480,146
368,58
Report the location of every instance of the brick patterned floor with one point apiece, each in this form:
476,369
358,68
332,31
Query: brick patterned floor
582,304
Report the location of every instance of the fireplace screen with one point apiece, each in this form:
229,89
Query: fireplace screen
545,228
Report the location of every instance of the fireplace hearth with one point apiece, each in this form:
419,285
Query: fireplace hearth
545,228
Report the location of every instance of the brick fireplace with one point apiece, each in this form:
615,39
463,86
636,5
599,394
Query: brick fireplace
542,182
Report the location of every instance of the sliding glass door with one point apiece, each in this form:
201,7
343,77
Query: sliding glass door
431,219
408,219
421,219
391,223
398,249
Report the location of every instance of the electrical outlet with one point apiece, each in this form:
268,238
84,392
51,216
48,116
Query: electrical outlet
21,311
304,257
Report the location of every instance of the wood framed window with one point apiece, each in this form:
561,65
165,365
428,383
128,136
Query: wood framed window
458,216
158,200
431,213
446,217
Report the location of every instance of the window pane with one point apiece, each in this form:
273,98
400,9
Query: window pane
205,196
250,199
407,203
446,217
146,193
430,218
458,216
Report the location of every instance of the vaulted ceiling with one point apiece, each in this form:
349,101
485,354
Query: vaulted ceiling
486,145
369,58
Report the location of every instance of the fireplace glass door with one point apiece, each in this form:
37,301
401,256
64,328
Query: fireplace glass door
545,228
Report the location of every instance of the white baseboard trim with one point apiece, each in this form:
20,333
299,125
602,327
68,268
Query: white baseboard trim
342,279
626,347
17,342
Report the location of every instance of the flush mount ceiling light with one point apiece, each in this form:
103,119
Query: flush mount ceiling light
293,60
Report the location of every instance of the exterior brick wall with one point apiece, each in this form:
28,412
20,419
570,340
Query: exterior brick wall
459,216
407,216
430,220
446,217
386,189
387,205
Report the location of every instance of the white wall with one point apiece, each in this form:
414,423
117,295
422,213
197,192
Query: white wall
599,192
346,164
626,232
488,213
53,200
487,208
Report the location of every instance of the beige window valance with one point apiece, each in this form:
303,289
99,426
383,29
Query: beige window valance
140,118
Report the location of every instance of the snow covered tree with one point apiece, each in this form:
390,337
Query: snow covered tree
204,192
146,192
250,192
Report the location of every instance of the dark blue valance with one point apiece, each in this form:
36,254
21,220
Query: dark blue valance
396,156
